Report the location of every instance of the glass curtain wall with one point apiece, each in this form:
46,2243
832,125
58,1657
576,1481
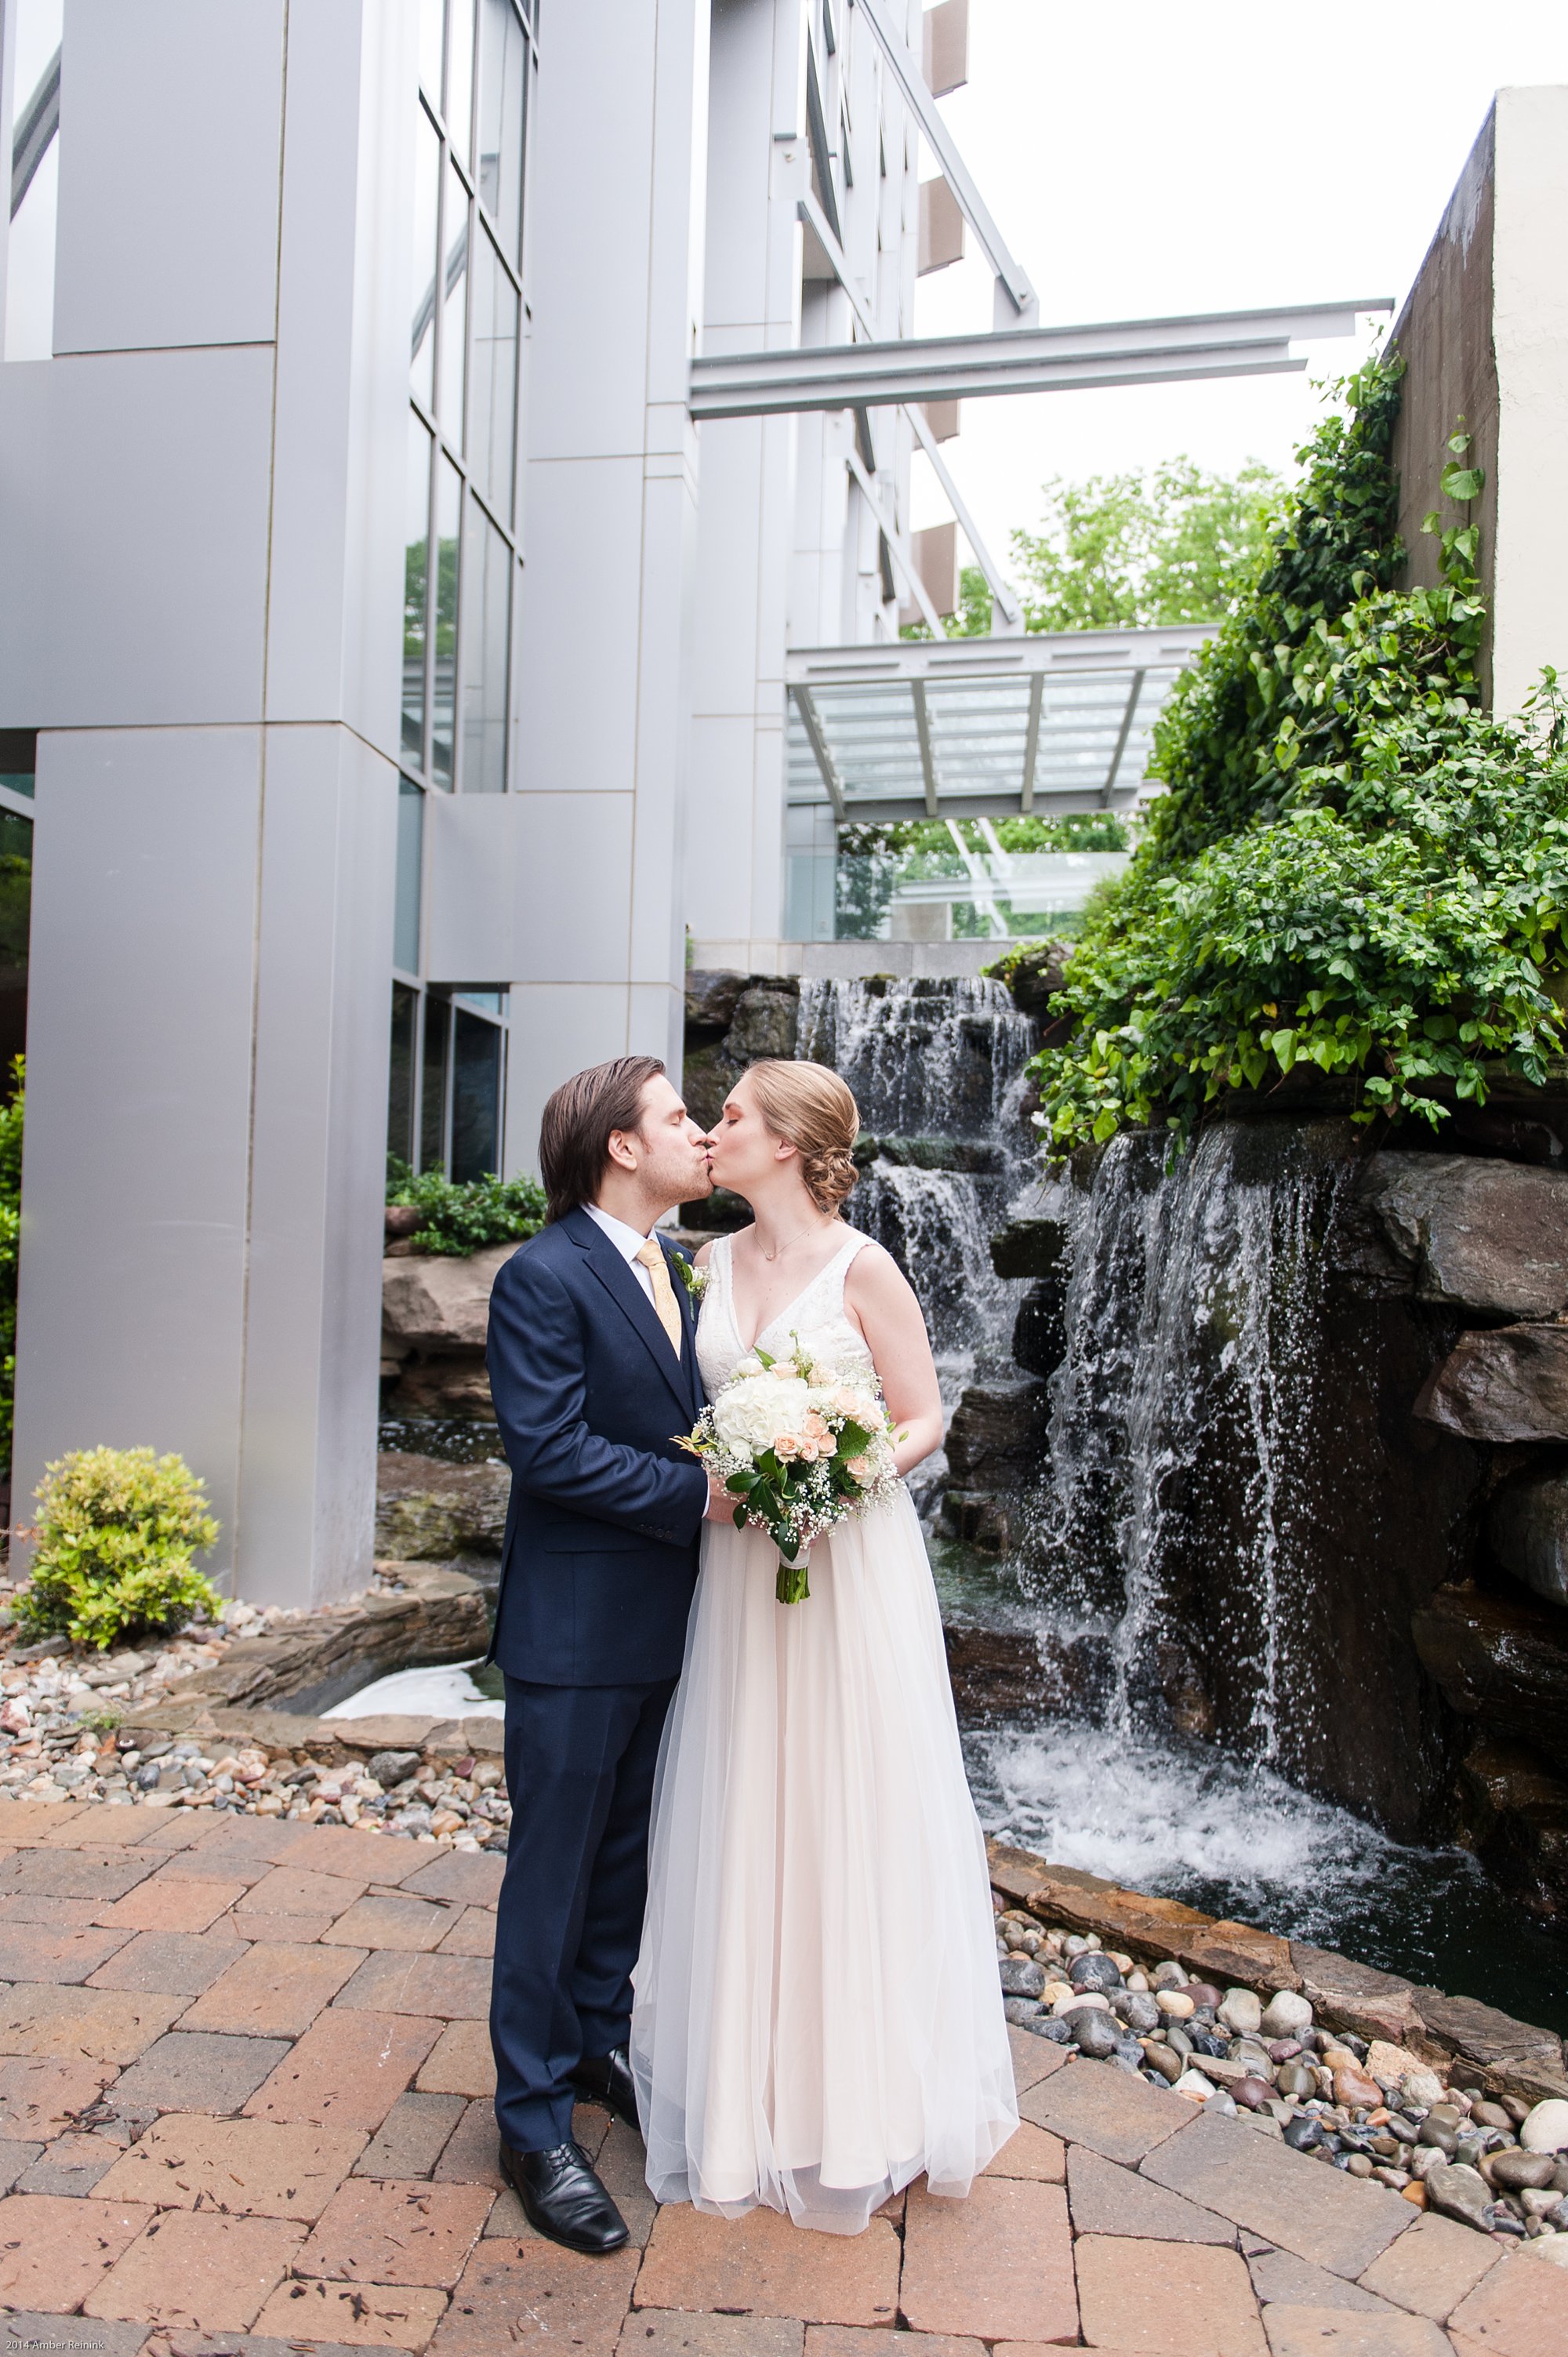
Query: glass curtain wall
461,551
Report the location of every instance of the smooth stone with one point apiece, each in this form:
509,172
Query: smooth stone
1515,2171
1177,2040
1241,2012
1094,1971
1208,2041
1020,2008
1354,2088
1421,2088
1055,1989
1205,1995
1254,2092
1193,2082
1491,2116
1170,1975
1094,2032
1357,2164
1046,2025
1175,2004
1073,2003
1161,2058
1545,2128
1021,1976
1139,2012
1459,2193
1285,2015
1296,2079
1283,2050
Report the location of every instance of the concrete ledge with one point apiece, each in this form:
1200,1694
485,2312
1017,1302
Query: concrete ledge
847,960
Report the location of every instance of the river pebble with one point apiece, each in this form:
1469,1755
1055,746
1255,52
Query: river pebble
1545,2128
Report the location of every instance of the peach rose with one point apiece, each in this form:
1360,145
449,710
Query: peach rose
786,1445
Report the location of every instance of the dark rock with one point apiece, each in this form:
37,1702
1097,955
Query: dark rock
1021,1976
1527,1528
1093,1970
1136,2008
1517,1813
390,1768
1503,1661
1507,1383
1094,2032
1164,2059
980,1518
707,1077
973,1156
996,1435
1039,1331
1516,2170
1035,975
1029,1246
1485,1236
1020,2010
428,1510
767,1017
1301,2133
720,1213
402,1219
711,997
1046,2025
1459,2193
1254,2094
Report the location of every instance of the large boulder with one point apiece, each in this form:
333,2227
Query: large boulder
1504,1384
1034,1242
1527,1531
996,1434
1517,1814
436,1302
710,995
429,1511
1485,1236
1501,1663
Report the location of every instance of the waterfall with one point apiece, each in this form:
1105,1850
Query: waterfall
1188,1426
936,1066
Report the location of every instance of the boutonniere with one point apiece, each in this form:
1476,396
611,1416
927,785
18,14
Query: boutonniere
693,1279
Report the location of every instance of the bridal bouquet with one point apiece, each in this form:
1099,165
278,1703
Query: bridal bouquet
800,1446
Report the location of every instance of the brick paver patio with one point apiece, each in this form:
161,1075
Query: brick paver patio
245,2083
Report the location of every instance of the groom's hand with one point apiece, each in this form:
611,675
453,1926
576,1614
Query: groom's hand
720,1505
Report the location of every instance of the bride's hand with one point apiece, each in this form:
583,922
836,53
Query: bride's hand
720,1505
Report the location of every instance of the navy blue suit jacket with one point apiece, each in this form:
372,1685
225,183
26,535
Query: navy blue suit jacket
600,1556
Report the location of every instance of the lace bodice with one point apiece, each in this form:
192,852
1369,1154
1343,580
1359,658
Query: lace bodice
816,1315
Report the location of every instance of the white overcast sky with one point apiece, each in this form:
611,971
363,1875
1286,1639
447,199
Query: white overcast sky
1142,159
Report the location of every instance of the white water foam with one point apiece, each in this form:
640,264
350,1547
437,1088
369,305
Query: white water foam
445,1692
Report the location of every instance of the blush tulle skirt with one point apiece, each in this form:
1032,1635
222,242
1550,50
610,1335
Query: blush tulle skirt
818,2014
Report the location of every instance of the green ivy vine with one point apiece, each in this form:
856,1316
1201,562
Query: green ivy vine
1353,866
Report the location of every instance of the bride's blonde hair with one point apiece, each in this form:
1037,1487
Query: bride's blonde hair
811,1109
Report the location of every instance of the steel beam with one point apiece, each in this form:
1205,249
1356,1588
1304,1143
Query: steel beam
805,704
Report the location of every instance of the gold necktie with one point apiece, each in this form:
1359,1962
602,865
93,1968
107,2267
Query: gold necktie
664,1300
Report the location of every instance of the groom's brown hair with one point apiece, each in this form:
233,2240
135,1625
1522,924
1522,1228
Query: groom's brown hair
575,1133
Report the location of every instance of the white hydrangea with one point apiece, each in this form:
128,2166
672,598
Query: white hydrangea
750,1415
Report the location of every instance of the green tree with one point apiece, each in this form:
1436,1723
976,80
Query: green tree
1136,551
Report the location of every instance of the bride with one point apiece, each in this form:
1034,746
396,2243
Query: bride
818,2017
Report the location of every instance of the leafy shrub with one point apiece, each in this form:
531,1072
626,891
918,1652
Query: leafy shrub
1353,866
115,1533
460,1218
10,1119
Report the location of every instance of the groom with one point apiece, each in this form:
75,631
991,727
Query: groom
592,1371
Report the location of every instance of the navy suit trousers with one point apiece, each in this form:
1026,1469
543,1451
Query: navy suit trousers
579,1767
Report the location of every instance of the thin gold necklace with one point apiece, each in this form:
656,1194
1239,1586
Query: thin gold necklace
789,1240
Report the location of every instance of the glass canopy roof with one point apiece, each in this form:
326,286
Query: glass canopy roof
980,727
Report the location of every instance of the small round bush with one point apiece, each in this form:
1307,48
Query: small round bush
115,1537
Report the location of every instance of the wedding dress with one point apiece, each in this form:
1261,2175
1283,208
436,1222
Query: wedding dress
818,2014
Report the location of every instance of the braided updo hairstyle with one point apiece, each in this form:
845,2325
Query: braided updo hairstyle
811,1109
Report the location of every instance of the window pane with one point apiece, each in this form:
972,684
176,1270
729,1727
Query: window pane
433,1085
476,1095
20,759
487,635
492,404
399,1087
453,307
430,15
426,180
410,865
449,510
415,589
15,906
459,72
499,167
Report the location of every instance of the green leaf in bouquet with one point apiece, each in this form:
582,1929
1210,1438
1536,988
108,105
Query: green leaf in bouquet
742,1484
853,1440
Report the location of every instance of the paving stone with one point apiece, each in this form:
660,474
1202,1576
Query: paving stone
456,1988
275,1990
651,2333
1280,2274
38,1951
1181,2299
763,2264
1114,2114
473,1934
365,2315
1338,2221
1518,2309
188,2162
102,1874
997,2267
855,2340
412,2138
206,2273
358,1857
1031,2152
15,2157
1336,2332
237,2344
534,2294
165,1831
1432,2266
295,1891
461,2062
24,2331
82,2024
472,2156
41,2097
33,1907
55,2249
402,2232
230,1853
170,1902
199,2070
392,1921
171,1963
622,2165
464,1875
282,1930
1106,2199
72,2163
1033,2059
35,1820
89,1827
348,2071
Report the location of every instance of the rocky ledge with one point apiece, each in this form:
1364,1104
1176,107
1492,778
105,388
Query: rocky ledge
1446,2101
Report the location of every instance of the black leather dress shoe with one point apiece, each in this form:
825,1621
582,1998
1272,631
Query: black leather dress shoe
563,2197
606,2079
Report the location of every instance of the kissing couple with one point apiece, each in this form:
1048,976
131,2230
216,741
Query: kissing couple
746,1906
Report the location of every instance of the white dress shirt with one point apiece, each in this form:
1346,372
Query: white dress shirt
627,1242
